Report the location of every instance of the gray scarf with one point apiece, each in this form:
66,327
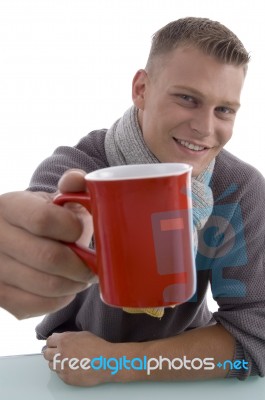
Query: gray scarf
124,144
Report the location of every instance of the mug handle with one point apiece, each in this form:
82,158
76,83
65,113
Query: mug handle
83,198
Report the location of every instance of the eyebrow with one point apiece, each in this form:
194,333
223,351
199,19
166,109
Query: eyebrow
200,94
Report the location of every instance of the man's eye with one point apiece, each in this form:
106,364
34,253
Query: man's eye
186,98
225,110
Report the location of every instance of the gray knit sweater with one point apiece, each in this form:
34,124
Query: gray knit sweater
231,256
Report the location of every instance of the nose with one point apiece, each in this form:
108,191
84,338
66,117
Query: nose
203,122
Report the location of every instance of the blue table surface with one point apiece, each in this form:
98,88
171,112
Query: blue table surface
28,377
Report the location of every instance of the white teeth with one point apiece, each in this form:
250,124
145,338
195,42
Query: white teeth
190,145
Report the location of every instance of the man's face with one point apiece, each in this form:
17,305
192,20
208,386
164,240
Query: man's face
187,106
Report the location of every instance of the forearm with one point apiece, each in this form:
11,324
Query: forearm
213,342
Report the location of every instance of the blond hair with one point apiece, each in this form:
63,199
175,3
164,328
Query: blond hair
211,37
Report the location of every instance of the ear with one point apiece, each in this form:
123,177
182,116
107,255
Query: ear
139,85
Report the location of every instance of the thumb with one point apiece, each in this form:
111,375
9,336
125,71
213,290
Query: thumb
72,181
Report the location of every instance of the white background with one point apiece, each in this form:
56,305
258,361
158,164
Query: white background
66,68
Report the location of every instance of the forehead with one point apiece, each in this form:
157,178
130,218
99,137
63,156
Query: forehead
188,66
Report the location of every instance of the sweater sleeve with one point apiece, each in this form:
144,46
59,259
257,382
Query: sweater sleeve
234,241
87,155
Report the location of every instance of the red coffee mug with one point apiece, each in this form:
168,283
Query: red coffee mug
142,217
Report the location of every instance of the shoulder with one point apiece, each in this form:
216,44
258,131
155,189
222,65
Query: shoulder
231,173
227,163
93,142
88,155
91,150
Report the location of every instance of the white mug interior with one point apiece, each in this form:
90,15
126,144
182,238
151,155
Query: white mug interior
139,171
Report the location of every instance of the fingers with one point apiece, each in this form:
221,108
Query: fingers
72,181
52,340
35,213
29,223
39,273
52,348
42,254
37,282
66,351
66,338
25,305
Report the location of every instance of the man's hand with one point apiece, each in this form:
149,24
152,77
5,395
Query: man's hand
67,353
79,345
38,273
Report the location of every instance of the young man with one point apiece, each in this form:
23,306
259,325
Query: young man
185,104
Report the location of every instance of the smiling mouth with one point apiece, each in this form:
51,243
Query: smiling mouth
190,146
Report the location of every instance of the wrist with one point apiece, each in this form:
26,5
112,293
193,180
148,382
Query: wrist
131,360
